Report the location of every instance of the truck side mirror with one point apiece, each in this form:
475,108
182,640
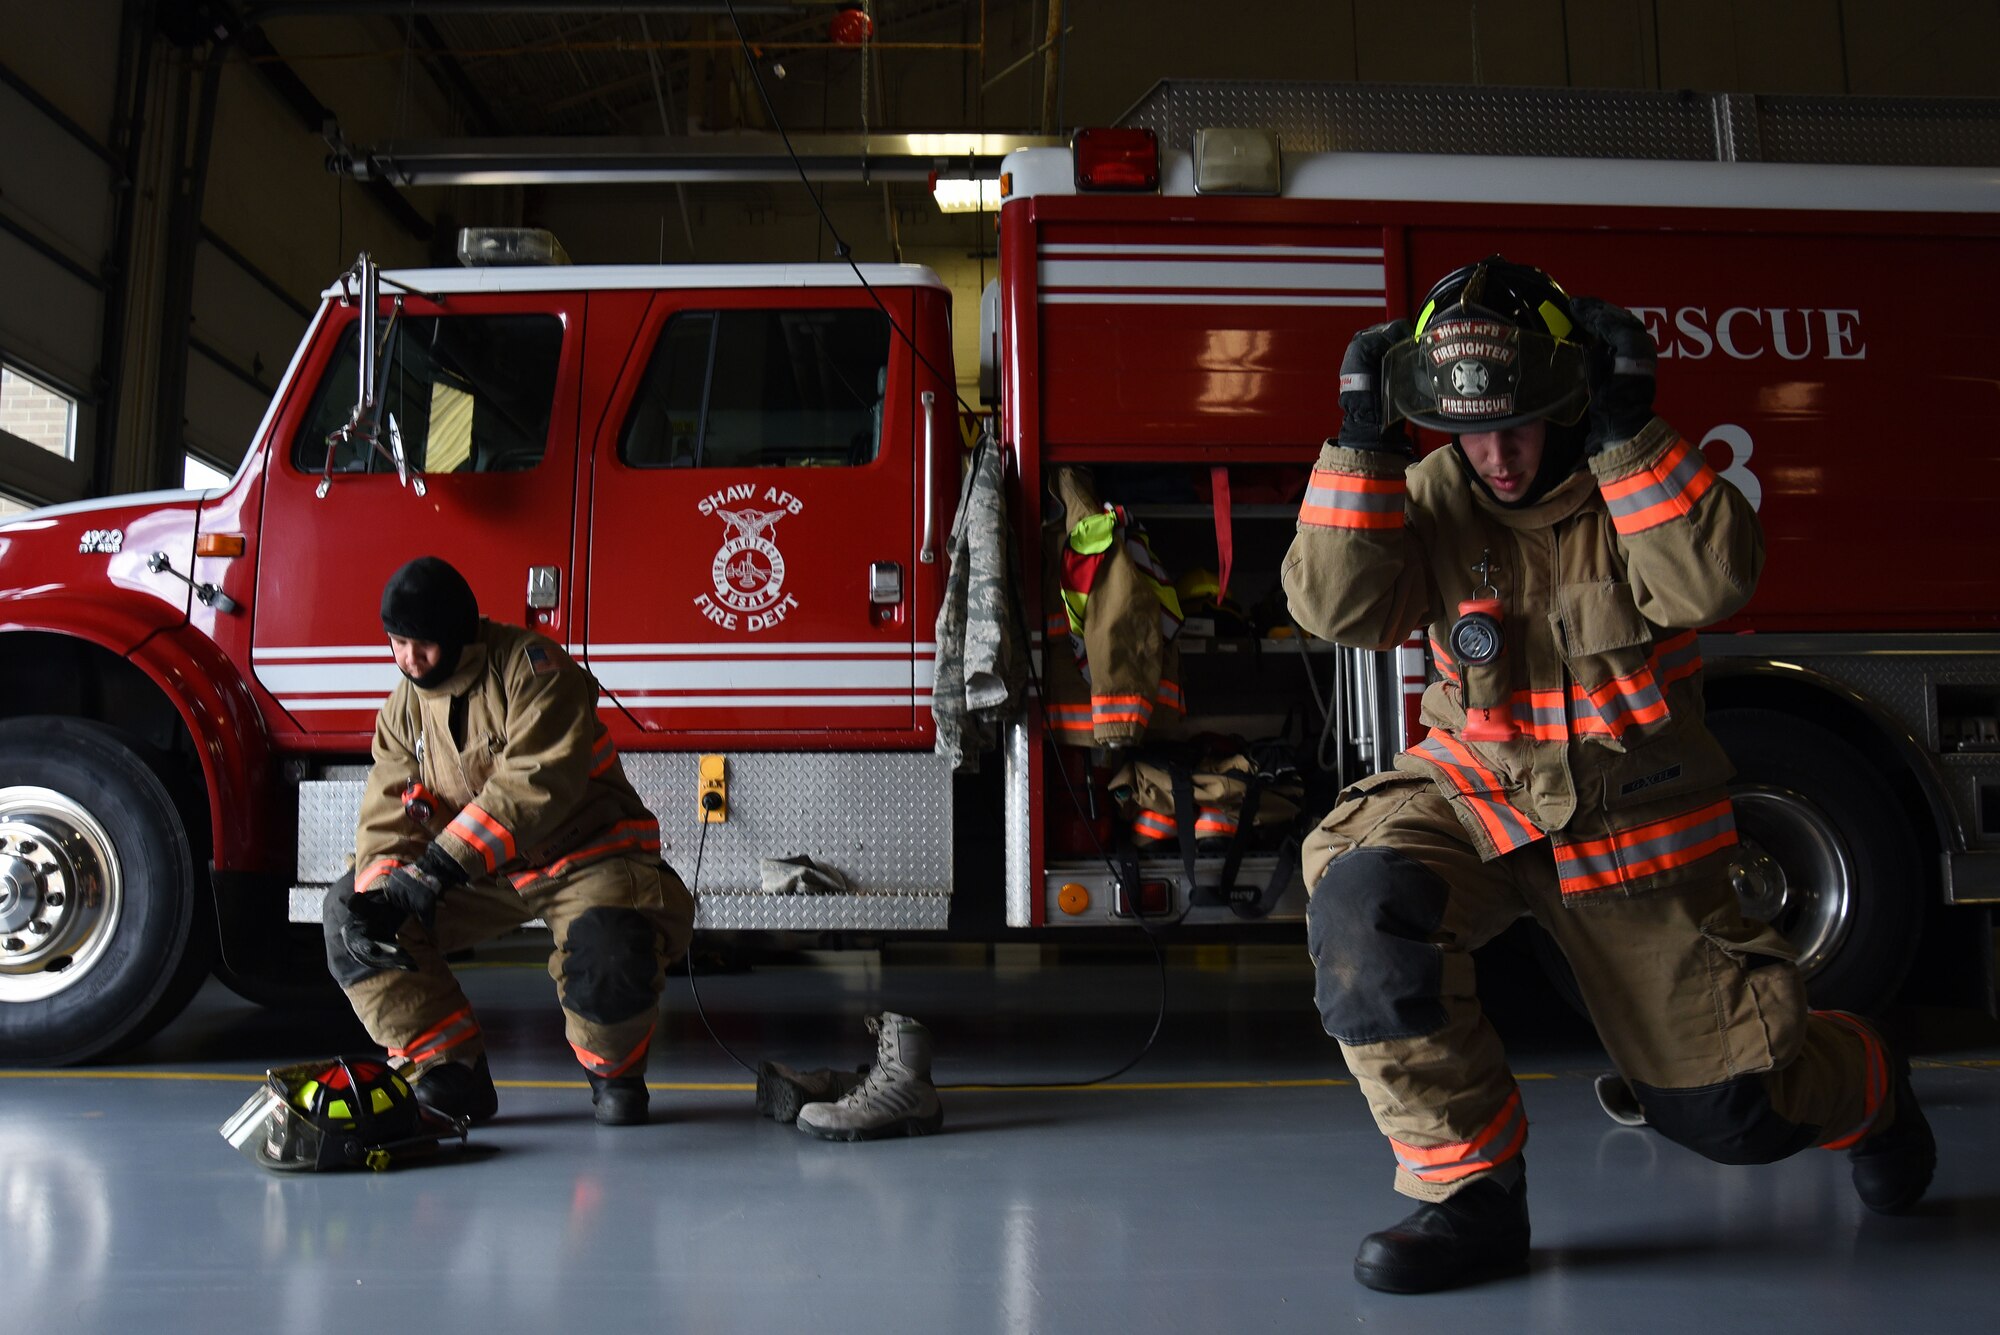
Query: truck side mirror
372,384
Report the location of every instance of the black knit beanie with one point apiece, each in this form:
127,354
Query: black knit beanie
428,600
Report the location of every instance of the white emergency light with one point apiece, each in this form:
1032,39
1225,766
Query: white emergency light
482,246
1236,162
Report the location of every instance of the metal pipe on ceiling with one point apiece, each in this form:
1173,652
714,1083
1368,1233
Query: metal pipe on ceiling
739,158
285,9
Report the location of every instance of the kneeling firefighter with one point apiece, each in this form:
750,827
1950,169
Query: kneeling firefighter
497,797
1562,552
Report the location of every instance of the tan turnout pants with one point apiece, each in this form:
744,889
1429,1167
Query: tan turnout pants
1700,1009
618,924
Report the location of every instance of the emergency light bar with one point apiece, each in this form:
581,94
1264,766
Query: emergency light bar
1236,162
1127,160
481,246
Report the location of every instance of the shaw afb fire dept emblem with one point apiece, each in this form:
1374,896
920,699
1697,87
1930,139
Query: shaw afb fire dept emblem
749,571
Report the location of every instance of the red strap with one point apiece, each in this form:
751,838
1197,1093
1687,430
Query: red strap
1225,538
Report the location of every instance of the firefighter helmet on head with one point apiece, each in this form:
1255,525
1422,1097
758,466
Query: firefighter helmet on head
342,1112
1492,349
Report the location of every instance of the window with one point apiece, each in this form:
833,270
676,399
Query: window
40,414
13,505
465,393
762,389
198,474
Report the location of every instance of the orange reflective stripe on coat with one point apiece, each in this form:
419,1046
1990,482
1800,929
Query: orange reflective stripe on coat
1542,715
627,836
1349,500
1112,709
603,756
1497,1142
377,869
1447,666
486,836
454,1030
1069,720
1875,1084
610,1067
1479,788
1664,490
1645,850
1209,823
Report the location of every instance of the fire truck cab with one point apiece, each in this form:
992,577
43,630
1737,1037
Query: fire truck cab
728,492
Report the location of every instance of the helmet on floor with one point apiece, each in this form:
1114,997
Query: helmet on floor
339,1112
1492,349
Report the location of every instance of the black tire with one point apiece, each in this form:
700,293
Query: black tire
1832,825
1829,858
85,974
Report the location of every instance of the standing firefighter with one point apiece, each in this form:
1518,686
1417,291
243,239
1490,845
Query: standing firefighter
497,797
1561,553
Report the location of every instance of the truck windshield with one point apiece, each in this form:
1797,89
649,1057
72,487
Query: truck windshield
761,389
468,393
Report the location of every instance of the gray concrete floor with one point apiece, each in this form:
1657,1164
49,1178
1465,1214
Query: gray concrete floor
1221,1185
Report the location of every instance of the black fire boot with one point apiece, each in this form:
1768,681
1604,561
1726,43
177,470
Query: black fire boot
460,1092
1892,1168
1479,1233
782,1091
620,1100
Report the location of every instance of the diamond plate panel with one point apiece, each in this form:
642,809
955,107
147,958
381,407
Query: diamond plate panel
762,912
329,809
881,819
1580,123
1018,873
820,913
1894,131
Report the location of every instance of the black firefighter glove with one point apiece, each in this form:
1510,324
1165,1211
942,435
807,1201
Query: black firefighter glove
1361,414
1621,360
416,887
368,933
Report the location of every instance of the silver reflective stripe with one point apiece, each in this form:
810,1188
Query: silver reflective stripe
1377,502
1660,492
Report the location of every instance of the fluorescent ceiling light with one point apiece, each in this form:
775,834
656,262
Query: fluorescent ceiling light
959,195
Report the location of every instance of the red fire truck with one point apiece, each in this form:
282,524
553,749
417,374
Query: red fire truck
727,490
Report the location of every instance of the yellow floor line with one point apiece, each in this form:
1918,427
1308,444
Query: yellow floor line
741,1087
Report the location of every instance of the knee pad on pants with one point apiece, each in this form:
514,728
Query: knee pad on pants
613,956
1732,1123
335,912
1369,926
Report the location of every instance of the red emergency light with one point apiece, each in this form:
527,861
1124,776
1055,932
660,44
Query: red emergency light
1116,160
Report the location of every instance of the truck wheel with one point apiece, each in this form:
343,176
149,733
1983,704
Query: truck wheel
1827,856
103,927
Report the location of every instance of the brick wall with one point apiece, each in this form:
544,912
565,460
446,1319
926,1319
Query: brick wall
36,414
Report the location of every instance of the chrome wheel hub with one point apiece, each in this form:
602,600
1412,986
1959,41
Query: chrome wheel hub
61,893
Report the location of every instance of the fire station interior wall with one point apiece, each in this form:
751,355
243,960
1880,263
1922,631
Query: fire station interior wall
57,191
271,200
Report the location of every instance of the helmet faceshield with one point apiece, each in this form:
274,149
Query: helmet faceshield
269,1132
1468,370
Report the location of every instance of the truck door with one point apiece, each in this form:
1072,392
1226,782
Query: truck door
751,547
482,391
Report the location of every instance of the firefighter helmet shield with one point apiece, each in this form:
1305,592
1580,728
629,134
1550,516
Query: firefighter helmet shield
343,1112
1491,350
